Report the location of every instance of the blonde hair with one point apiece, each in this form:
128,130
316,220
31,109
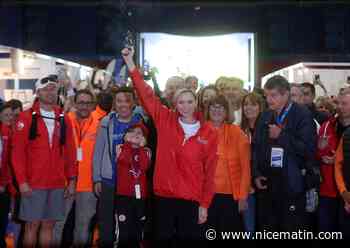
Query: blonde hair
179,81
179,92
223,82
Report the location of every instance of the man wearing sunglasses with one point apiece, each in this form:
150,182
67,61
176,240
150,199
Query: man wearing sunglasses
44,162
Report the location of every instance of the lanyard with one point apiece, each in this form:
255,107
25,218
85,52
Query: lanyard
79,130
280,119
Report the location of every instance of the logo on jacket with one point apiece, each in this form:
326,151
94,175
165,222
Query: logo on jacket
202,141
20,125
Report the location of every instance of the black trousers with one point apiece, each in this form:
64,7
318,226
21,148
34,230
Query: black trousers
223,215
106,220
344,221
280,212
4,211
176,219
131,220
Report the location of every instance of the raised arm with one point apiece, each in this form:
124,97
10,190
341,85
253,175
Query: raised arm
148,99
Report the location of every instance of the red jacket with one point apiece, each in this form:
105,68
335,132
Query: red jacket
126,181
328,186
5,173
34,161
184,169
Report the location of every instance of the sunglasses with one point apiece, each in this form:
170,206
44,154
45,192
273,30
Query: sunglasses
50,78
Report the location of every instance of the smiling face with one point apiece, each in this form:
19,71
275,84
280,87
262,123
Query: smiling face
84,105
48,95
124,104
217,113
250,110
186,104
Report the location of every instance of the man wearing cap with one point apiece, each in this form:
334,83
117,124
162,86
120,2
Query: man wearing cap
44,162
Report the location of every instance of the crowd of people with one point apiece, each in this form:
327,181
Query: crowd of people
140,165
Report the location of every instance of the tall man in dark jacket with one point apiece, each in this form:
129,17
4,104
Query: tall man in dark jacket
285,138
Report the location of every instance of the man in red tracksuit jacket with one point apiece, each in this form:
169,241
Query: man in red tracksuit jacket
44,161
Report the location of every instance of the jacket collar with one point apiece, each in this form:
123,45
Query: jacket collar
36,108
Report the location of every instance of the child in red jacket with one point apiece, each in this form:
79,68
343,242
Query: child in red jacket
133,161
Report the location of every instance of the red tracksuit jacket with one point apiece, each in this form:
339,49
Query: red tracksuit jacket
328,186
34,161
125,179
184,169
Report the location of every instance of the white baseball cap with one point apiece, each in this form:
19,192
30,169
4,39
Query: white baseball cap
45,81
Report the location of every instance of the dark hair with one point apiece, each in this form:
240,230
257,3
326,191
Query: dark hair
126,89
4,106
310,86
190,78
83,92
255,99
105,101
15,104
201,94
279,83
220,100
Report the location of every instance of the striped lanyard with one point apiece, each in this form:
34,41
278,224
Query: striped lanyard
280,119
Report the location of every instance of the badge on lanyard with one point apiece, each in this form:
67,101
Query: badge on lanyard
79,154
277,157
138,191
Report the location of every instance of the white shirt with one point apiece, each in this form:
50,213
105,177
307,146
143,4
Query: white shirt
190,129
50,123
238,116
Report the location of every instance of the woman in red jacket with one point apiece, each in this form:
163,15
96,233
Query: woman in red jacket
185,163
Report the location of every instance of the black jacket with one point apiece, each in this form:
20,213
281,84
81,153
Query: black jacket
298,139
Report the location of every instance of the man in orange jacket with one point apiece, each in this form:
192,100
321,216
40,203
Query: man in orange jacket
44,162
85,126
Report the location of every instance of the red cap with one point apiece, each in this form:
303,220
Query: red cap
143,128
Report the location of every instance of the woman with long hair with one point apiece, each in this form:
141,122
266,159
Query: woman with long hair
252,105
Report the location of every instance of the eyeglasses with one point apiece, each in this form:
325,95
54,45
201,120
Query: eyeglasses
85,103
217,108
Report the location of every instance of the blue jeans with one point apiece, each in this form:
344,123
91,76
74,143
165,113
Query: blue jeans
249,214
